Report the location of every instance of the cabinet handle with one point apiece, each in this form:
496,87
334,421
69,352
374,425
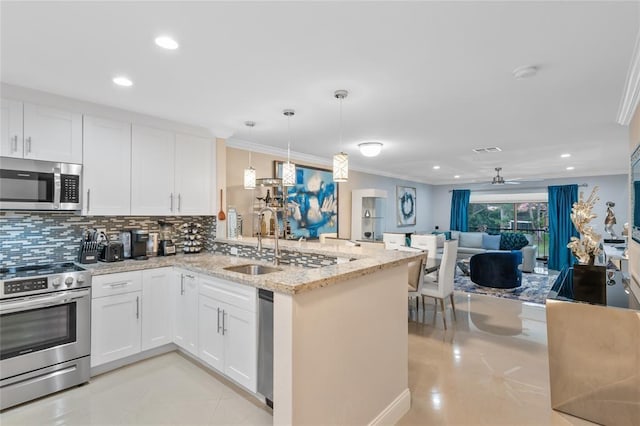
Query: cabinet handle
224,330
171,198
181,284
15,143
137,307
218,320
120,284
190,276
88,200
28,144
179,202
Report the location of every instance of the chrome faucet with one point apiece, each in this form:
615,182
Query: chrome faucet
276,254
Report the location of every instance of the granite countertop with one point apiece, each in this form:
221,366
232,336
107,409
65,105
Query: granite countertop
290,280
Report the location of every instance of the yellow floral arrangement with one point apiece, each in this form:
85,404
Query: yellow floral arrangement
587,247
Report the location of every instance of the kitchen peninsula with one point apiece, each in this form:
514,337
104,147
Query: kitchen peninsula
339,326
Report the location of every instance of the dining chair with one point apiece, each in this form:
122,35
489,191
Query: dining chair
391,239
416,273
429,243
442,288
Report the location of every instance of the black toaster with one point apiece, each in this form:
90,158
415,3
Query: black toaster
112,251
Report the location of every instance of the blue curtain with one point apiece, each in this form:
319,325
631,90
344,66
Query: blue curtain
459,210
561,229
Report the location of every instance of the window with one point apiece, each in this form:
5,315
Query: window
530,218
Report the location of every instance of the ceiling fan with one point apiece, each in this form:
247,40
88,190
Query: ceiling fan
499,180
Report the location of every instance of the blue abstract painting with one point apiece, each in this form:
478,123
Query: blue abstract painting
312,204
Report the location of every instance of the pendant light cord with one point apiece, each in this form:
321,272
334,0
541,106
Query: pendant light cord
341,123
289,139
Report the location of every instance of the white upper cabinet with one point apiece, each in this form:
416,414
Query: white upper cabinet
170,174
107,167
152,172
11,142
193,175
52,134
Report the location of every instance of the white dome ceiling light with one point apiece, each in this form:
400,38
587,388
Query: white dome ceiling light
166,42
370,149
123,81
526,71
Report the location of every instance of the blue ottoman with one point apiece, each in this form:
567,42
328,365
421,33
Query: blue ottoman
497,269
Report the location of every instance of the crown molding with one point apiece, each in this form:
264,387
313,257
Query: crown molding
313,159
631,95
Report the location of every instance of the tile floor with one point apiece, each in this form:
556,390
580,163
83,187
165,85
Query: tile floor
488,368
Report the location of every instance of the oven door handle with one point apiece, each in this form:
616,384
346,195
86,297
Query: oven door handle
41,302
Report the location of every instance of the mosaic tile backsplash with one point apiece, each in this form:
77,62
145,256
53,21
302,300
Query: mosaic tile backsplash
293,258
37,238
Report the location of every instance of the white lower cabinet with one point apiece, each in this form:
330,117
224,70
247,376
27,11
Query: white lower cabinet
157,307
213,319
185,297
228,329
115,317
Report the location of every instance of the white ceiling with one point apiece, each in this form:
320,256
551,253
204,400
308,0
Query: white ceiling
431,80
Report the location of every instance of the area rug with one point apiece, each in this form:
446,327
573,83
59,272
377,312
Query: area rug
534,287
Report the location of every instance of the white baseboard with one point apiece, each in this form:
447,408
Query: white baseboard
394,411
104,368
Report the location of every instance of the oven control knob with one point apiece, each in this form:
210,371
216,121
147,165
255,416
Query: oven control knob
68,281
80,279
56,282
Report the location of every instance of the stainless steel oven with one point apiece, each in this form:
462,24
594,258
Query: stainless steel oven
39,185
45,331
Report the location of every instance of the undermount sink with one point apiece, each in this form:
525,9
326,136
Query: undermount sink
252,269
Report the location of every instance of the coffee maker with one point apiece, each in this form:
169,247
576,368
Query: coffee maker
139,240
166,246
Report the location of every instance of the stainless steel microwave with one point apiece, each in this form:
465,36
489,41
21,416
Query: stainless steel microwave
39,185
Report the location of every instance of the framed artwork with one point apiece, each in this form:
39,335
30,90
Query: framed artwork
312,204
406,205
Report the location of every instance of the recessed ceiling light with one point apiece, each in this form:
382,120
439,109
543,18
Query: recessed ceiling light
456,177
526,71
565,155
570,168
166,42
123,81
436,167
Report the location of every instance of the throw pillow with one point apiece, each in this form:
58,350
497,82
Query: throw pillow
512,241
491,242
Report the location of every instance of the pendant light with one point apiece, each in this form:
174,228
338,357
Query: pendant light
250,173
288,168
341,159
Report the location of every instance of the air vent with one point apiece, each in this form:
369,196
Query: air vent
487,150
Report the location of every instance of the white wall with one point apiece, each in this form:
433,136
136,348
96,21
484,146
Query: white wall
611,188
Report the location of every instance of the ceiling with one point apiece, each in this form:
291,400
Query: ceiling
431,80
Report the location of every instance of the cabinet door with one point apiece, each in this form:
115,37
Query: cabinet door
107,167
52,134
240,352
115,327
211,340
11,142
193,175
152,172
186,313
157,307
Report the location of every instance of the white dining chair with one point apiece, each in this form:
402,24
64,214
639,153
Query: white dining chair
429,243
392,240
442,288
416,272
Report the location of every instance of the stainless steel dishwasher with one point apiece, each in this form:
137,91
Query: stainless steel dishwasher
265,345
